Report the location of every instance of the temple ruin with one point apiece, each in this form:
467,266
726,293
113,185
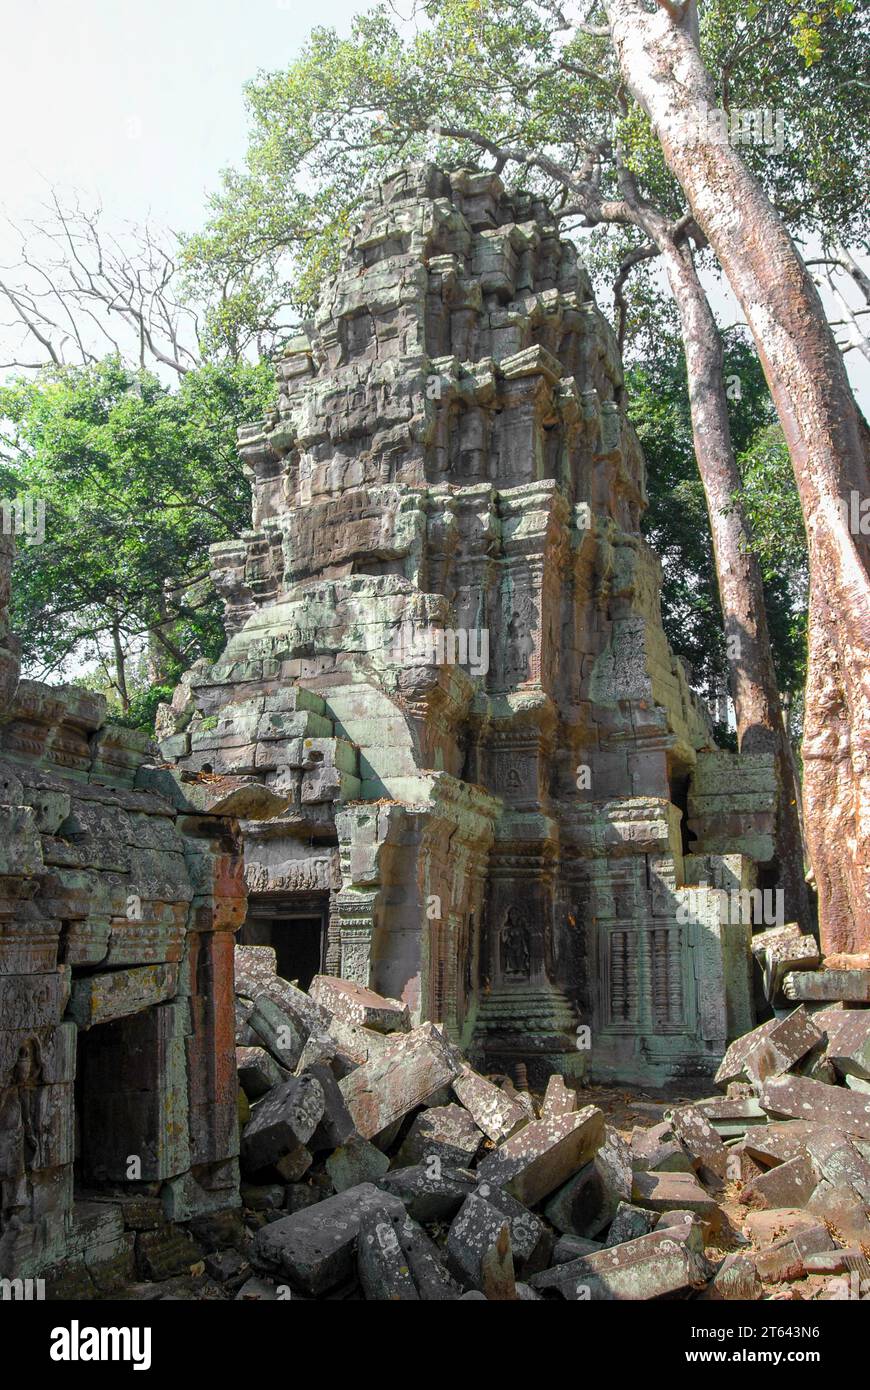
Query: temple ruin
504,803
447,753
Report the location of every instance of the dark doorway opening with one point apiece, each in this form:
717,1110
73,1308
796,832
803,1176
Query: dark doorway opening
296,930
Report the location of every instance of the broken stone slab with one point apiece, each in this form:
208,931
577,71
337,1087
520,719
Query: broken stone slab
569,1248
425,1261
354,1162
277,1031
733,1118
429,1196
699,1139
544,1154
382,1265
559,1099
842,1211
789,1184
294,1165
531,1241
256,977
781,958
767,1227
736,1278
497,1114
355,1004
801,1099
850,986
790,1039
315,1249
674,1192
848,1034
630,1223
411,1068
655,1150
445,1132
474,1231
777,1142
258,1071
786,1258
588,1202
840,1162
114,994
336,1125
653,1266
283,1119
733,1065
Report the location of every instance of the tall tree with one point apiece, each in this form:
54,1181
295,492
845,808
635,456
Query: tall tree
661,64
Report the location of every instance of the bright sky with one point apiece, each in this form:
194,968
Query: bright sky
139,105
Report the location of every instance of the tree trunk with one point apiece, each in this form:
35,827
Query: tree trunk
120,667
754,688
807,379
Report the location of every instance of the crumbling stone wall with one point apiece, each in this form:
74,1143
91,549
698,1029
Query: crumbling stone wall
446,655
118,905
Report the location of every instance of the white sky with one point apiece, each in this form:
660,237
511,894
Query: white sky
139,105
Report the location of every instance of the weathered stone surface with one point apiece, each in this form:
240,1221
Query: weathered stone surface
474,1234
411,1068
559,1099
673,1192
429,1196
355,1004
852,986
384,1270
258,1071
630,1223
802,1099
446,1132
120,993
789,1184
655,1150
354,1162
700,1140
283,1120
491,1109
655,1265
315,1249
848,1034
587,1204
736,1278
544,1154
839,1161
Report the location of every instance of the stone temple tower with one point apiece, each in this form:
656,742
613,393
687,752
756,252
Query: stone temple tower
499,798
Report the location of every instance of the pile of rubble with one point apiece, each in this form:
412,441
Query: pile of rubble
376,1163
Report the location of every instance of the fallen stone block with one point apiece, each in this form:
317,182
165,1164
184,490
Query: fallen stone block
498,1280
778,1141
428,1269
654,1266
382,1265
733,1064
544,1154
277,1031
768,1227
780,958
531,1241
559,1099
282,1120
789,1040
630,1223
315,1249
411,1067
801,1099
672,1192
587,1204
850,986
294,1165
426,1196
474,1232
491,1109
848,1034
445,1132
700,1140
256,978
569,1248
840,1162
355,1004
354,1162
336,1126
736,1278
842,1211
789,1184
258,1071
786,1258
656,1150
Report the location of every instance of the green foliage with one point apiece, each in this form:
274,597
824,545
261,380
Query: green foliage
138,481
677,525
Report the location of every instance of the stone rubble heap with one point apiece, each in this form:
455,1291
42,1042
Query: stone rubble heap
377,1164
